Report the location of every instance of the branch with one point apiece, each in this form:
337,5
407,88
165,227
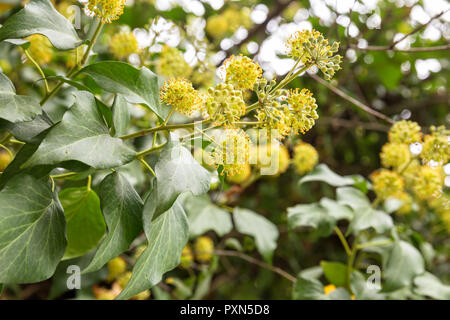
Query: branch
350,99
261,264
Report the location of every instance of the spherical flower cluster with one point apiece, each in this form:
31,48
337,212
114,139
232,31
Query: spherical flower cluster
405,131
5,160
231,151
229,21
180,94
105,10
203,76
242,176
407,203
386,183
313,49
302,107
305,158
40,48
263,157
224,104
116,267
187,257
123,44
242,72
204,249
217,26
409,173
274,116
171,63
395,155
428,182
436,146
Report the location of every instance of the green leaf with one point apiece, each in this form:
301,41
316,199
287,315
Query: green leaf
335,272
136,85
259,227
204,216
308,289
32,238
311,215
352,197
82,135
403,264
13,107
122,208
430,286
167,236
359,287
28,130
39,16
121,115
336,210
367,217
176,172
324,174
85,222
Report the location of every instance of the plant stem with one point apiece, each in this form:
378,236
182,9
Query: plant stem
27,53
64,175
162,127
150,150
351,260
91,44
168,116
147,166
374,244
343,240
89,183
7,149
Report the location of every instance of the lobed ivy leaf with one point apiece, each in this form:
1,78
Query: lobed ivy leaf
352,197
167,236
323,173
362,291
367,217
85,225
27,131
176,172
13,107
82,135
135,85
259,227
430,286
335,272
311,215
32,236
203,216
308,289
40,17
121,115
122,209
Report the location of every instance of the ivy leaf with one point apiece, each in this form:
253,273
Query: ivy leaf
122,209
403,264
359,287
352,197
335,272
167,236
39,16
13,107
257,226
336,210
204,216
136,85
121,115
323,173
367,217
32,237
28,130
176,172
82,135
308,289
311,215
85,222
430,286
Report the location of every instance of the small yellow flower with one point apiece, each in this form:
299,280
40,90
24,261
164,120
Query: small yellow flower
40,48
436,146
242,72
232,151
428,182
105,10
224,105
5,160
305,157
329,288
123,44
241,176
187,257
405,131
313,49
217,26
180,94
386,183
171,63
204,248
116,266
302,107
263,158
395,155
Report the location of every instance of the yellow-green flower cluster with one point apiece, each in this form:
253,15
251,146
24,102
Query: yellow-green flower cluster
428,182
302,110
187,257
405,131
228,21
242,176
436,146
180,94
204,248
231,151
105,10
242,72
407,202
224,105
123,44
263,157
395,155
386,183
305,157
313,49
41,49
171,63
